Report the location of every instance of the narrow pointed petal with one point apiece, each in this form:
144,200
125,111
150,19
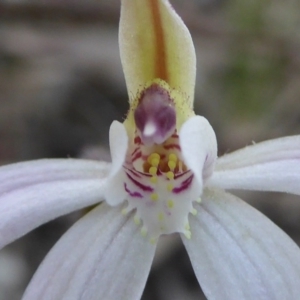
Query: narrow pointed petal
237,253
268,166
103,256
199,147
33,193
155,43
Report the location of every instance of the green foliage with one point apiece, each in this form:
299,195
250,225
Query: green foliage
252,81
255,73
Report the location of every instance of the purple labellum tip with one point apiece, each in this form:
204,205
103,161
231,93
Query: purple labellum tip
155,115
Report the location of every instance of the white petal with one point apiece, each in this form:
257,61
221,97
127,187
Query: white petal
155,43
280,149
237,253
23,174
281,176
270,166
199,147
103,256
118,139
33,193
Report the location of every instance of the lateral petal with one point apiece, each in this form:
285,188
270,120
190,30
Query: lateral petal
199,147
118,139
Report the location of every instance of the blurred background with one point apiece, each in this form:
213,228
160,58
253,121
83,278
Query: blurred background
61,86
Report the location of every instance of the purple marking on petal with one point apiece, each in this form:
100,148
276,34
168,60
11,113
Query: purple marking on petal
137,156
155,115
135,151
184,185
133,172
137,173
167,211
172,146
132,194
143,187
186,181
178,175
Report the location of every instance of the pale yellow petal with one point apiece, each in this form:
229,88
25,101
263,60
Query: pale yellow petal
155,44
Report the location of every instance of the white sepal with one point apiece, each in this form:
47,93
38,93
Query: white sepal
33,193
103,256
237,253
268,166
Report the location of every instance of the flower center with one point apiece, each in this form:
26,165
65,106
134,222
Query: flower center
158,183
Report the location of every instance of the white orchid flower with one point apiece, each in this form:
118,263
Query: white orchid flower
164,178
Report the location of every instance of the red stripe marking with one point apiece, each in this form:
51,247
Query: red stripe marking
172,146
137,156
143,187
133,172
132,194
135,150
137,140
160,47
184,185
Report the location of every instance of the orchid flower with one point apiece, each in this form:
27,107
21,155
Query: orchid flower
164,178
